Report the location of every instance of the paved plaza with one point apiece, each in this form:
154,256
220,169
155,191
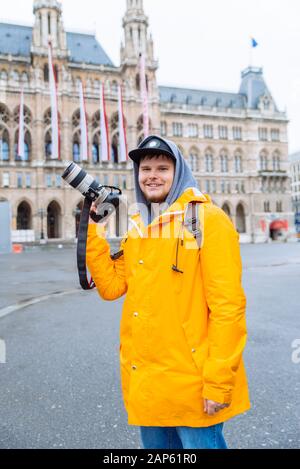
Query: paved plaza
60,386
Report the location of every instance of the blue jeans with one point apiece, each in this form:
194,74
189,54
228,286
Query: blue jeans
183,437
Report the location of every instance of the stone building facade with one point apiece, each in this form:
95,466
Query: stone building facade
235,143
295,184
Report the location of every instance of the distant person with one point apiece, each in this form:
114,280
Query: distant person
183,328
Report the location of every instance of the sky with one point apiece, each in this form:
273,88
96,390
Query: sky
201,44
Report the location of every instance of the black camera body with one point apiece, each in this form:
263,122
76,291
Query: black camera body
107,201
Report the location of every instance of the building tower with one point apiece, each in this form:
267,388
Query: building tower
137,40
48,25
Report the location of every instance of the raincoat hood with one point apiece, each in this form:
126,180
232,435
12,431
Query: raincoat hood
183,179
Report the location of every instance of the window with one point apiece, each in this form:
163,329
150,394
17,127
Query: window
28,180
228,187
177,129
46,73
263,134
124,181
263,161
76,152
278,206
209,163
213,186
116,180
5,180
58,180
207,186
4,150
163,129
194,161
223,187
267,207
208,131
105,179
19,180
48,180
223,132
238,163
95,153
224,162
193,130
237,133
276,161
275,135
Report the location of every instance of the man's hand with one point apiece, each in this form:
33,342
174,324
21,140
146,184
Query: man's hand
93,209
212,407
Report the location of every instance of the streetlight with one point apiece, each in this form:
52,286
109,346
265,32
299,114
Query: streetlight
42,214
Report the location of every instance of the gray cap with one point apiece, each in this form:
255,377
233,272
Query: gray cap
151,146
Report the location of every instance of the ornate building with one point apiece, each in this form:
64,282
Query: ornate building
295,183
236,143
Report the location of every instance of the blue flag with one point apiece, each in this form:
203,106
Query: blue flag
253,42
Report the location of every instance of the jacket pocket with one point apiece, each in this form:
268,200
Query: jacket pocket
198,351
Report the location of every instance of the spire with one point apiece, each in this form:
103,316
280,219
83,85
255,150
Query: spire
48,25
135,24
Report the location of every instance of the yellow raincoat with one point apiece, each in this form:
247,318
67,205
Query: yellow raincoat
182,334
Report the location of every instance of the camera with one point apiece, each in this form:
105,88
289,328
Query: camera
105,201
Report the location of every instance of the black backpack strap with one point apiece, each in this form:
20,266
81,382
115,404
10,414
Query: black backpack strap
81,247
192,221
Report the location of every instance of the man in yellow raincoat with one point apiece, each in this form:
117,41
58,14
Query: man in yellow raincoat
183,327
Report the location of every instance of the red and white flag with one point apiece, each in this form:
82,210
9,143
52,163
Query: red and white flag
55,153
123,156
144,95
21,145
84,147
105,154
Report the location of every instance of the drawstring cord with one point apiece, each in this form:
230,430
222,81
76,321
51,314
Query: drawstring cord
180,237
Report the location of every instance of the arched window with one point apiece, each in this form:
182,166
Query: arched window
194,160
76,148
115,148
27,146
96,148
48,145
224,161
238,167
263,161
209,161
4,144
276,161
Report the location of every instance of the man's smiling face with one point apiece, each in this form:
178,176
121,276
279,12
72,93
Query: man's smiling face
156,175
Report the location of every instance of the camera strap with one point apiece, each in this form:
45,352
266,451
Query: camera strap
81,247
